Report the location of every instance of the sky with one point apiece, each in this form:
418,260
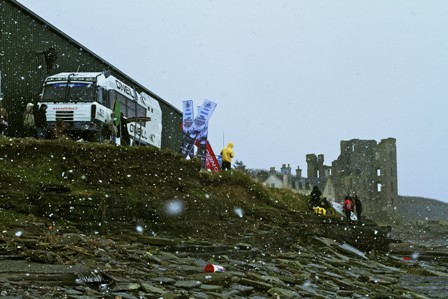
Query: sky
289,77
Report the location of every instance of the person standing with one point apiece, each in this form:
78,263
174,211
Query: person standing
3,119
348,208
315,197
326,205
125,138
41,121
50,56
29,125
227,155
358,207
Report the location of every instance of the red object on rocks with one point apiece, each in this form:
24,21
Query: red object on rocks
213,268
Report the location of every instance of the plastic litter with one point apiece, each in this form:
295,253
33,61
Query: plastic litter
213,268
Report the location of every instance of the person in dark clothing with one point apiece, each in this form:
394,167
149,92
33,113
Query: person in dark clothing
125,138
315,197
348,208
326,204
358,207
3,119
41,122
50,59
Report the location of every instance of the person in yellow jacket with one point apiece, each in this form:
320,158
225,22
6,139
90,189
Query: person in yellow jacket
227,155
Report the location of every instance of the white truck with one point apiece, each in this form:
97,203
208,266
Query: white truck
86,101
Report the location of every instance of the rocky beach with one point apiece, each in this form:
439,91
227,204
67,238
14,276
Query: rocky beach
37,261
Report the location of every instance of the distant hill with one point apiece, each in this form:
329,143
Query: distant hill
419,208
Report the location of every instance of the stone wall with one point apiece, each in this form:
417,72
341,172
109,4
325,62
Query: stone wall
364,167
369,170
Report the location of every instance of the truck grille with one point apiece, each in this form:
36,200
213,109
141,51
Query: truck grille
64,115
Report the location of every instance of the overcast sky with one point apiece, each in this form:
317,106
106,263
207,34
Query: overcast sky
289,77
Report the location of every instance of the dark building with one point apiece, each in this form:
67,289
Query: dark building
31,49
368,169
364,167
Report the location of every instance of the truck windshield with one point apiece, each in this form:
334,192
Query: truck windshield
74,92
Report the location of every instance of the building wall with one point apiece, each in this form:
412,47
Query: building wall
23,35
361,168
273,182
328,190
312,166
386,158
315,166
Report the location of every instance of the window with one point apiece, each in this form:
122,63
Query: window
131,108
72,92
101,96
128,107
141,111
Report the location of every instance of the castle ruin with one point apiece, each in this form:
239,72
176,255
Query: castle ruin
364,167
368,169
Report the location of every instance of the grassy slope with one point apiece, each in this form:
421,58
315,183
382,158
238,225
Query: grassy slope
94,184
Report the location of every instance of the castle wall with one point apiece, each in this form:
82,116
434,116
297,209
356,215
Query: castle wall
364,167
386,174
315,166
312,168
369,170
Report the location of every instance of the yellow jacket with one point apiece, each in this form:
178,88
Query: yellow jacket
227,153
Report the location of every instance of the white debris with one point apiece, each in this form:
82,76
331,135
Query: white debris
239,212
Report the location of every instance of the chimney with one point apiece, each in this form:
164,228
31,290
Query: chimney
298,172
286,172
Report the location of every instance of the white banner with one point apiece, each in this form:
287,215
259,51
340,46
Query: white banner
205,112
199,124
201,142
188,115
204,133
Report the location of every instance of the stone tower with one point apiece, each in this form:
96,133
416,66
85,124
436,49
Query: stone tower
298,172
369,170
316,168
386,174
312,168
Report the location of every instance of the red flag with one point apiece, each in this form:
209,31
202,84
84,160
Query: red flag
210,159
